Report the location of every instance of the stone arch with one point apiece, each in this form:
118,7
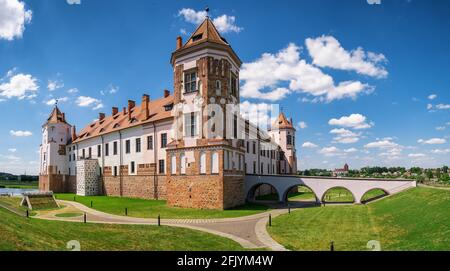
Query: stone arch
286,192
355,199
375,197
251,195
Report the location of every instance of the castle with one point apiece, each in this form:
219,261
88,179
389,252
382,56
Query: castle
192,148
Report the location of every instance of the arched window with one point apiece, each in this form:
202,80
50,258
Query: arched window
202,163
183,163
289,140
215,163
173,164
218,87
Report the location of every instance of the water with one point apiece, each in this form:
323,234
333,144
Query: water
16,191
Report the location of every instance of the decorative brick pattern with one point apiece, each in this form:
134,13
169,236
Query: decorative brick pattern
88,179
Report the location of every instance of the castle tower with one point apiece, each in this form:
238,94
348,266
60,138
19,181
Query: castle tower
205,159
54,164
283,133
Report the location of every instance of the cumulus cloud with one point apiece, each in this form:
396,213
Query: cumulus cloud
12,150
111,90
302,125
308,144
429,106
224,23
262,79
330,151
374,2
74,2
432,141
54,85
326,51
443,106
381,144
344,136
20,133
440,128
13,18
86,101
416,155
355,121
260,114
432,96
350,150
20,86
53,100
441,151
72,90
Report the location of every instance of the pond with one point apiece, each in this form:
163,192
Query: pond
16,191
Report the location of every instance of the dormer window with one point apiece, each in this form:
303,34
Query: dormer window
197,37
168,107
116,125
190,81
133,120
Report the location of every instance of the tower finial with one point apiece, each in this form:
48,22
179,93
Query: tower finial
56,102
207,11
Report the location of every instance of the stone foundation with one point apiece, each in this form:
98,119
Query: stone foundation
135,186
57,183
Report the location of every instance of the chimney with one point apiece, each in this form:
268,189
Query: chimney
101,116
114,111
144,106
124,110
131,105
291,121
179,42
74,133
63,117
166,93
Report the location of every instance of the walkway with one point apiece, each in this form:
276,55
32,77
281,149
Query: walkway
249,231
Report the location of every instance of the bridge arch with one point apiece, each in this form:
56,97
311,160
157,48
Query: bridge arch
252,192
289,189
324,195
375,195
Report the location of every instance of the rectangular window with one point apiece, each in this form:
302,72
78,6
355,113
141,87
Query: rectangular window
70,157
248,147
235,126
138,145
190,124
115,170
73,158
161,166
132,167
149,142
90,152
163,140
106,149
254,147
99,150
233,85
262,168
254,167
190,81
115,148
127,146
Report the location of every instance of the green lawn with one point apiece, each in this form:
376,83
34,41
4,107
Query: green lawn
417,219
19,233
338,194
17,184
303,194
153,208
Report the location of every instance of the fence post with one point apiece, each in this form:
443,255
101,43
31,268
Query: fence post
270,220
332,246
289,208
84,217
27,213
159,220
74,199
126,211
91,203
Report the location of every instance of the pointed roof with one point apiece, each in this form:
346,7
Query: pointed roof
205,34
56,116
282,122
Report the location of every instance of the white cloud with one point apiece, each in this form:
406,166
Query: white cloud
443,106
432,97
302,125
441,151
20,86
74,2
309,145
259,114
12,150
374,2
344,136
416,155
224,23
72,90
262,78
111,90
429,106
432,141
350,150
326,51
52,102
381,144
54,85
13,18
355,121
330,151
10,157
20,133
440,128
86,101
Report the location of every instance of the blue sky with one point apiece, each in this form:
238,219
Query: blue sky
369,82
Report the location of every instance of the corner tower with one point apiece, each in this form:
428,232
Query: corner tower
205,166
53,161
283,133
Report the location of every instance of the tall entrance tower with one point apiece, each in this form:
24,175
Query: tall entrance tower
205,166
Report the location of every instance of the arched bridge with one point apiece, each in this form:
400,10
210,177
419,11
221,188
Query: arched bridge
319,186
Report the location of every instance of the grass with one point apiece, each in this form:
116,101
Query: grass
338,194
417,219
19,233
19,185
153,208
69,214
303,194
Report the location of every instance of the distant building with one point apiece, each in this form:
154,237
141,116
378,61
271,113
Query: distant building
338,172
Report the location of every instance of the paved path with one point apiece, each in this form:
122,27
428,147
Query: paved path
248,231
